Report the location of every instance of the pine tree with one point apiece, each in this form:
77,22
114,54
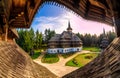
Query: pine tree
38,40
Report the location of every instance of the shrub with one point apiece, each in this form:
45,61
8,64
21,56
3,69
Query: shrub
50,58
88,57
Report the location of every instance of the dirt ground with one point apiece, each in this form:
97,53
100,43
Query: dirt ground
59,68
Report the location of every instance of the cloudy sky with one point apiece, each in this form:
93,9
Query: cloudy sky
56,18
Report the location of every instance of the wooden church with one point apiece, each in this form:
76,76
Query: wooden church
65,42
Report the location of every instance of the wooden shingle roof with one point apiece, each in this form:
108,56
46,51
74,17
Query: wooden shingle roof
65,36
20,13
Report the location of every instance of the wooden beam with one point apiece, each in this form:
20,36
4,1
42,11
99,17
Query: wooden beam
32,4
110,6
6,32
26,13
87,8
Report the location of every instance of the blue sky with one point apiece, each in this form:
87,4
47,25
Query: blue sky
56,18
49,11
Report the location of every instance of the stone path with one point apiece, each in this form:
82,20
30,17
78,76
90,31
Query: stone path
59,68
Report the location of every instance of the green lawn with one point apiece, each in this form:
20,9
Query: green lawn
39,50
92,49
81,59
36,54
50,58
66,55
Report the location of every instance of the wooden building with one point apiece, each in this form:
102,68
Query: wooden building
20,13
65,42
104,41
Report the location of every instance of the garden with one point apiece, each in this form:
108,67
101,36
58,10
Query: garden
50,58
81,59
36,54
66,55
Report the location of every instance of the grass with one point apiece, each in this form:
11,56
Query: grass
81,59
92,49
66,55
36,54
37,50
50,58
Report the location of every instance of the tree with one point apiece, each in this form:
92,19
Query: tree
26,39
38,40
87,40
94,39
111,36
27,44
32,37
48,35
20,41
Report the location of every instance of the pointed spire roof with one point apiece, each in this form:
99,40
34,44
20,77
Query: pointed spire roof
103,31
104,34
69,27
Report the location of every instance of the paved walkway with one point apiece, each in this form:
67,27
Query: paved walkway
59,68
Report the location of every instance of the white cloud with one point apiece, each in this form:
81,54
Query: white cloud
60,23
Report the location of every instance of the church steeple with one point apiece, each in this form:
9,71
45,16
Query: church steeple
69,27
103,32
104,42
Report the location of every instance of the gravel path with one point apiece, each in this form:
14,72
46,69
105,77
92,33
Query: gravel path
59,68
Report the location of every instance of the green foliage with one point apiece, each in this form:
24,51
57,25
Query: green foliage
94,40
28,45
66,55
71,63
31,36
92,49
29,40
111,36
81,60
88,39
38,50
88,57
38,40
48,35
25,40
50,58
21,40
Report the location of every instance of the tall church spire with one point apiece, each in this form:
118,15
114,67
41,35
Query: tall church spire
103,31
104,42
69,27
